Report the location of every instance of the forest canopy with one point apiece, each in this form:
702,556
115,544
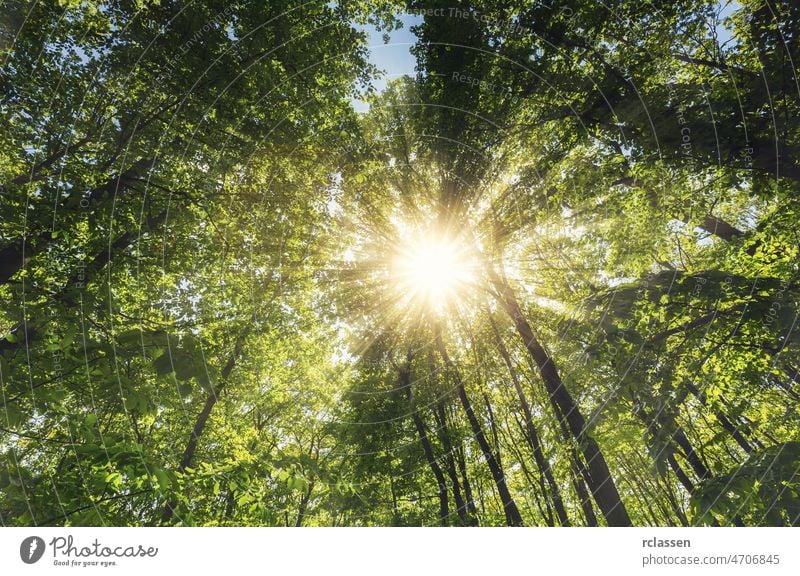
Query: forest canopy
549,277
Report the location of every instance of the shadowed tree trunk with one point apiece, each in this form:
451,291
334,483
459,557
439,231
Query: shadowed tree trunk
513,517
304,500
532,435
202,420
422,432
17,255
579,476
462,468
680,474
465,513
599,478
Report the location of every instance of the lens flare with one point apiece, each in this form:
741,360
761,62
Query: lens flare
433,270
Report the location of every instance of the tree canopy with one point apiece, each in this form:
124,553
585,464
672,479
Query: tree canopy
551,278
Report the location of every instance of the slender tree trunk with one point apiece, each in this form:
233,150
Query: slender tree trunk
513,517
698,466
680,474
578,474
492,427
532,435
677,440
230,503
541,497
724,421
691,456
444,436
394,496
658,491
422,432
599,477
201,421
462,468
668,490
301,511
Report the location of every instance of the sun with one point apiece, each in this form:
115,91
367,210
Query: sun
433,270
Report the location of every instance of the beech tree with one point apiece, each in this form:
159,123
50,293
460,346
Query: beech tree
548,279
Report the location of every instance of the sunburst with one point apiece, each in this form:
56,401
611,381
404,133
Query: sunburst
432,270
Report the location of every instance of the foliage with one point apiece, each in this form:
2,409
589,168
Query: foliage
202,318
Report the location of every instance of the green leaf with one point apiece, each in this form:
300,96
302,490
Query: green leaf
163,479
163,364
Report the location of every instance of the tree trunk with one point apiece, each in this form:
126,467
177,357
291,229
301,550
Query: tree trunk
579,475
301,511
680,474
465,510
201,421
691,456
441,483
600,481
724,421
513,517
462,468
15,256
532,435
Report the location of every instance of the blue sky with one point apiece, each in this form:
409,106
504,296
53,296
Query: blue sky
394,58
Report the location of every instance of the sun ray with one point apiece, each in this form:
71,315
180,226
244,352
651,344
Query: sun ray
433,270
